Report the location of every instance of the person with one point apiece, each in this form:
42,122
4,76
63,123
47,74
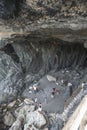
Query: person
35,100
52,94
54,91
40,107
83,86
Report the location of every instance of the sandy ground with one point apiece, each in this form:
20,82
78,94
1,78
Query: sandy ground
49,104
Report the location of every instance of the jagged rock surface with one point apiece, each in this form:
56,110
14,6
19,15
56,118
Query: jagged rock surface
10,78
43,36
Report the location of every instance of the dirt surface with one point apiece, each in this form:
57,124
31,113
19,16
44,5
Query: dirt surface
56,104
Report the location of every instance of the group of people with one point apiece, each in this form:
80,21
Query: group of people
54,92
36,90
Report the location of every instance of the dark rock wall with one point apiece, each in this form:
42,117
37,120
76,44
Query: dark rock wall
11,79
40,8
50,55
9,8
23,63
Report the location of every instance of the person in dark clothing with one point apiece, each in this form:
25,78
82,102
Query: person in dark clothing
54,91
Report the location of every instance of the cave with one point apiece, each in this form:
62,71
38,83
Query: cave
65,61
51,55
43,63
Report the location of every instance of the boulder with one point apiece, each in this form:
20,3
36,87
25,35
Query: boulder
17,125
8,119
29,119
36,118
21,112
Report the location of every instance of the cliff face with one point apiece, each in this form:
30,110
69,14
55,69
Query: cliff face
59,19
37,37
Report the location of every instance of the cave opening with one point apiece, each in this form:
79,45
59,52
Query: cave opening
45,56
9,50
51,55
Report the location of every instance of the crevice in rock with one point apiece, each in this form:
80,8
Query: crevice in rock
9,50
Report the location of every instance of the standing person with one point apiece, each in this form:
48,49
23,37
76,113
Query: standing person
35,89
83,86
52,94
40,107
54,91
45,98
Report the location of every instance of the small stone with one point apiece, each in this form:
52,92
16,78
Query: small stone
35,100
51,78
69,84
8,119
67,71
62,81
57,83
28,101
30,88
4,110
19,100
30,91
21,104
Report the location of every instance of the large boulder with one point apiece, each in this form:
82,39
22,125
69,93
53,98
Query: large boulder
36,118
29,118
10,78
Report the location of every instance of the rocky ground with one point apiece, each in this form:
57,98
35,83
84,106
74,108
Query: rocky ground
20,114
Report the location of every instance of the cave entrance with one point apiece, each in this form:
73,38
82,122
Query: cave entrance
9,50
48,55
60,55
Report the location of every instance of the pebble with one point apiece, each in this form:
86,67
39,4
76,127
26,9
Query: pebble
28,101
57,83
62,81
30,88
30,92
51,78
4,110
21,104
69,84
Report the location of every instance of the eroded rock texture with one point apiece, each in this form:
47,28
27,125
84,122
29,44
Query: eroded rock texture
10,78
24,62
